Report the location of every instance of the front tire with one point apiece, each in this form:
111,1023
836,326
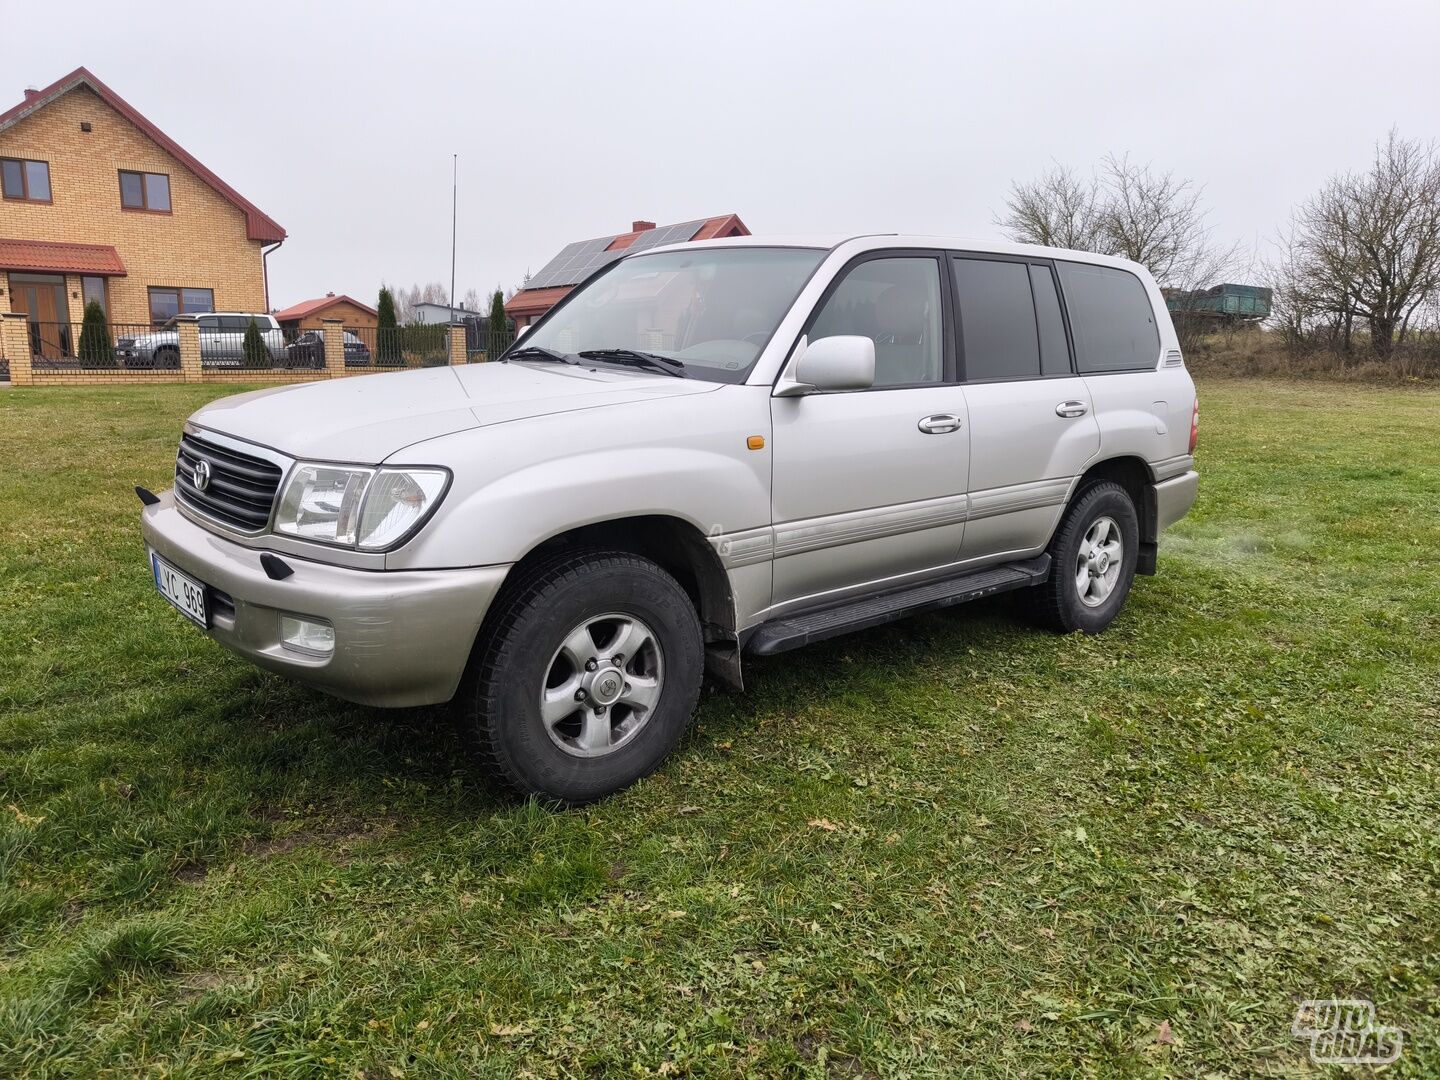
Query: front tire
1092,561
584,678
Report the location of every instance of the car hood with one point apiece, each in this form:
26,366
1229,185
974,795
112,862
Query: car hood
367,418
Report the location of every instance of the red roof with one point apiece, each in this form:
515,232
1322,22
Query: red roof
528,302
310,307
47,257
258,226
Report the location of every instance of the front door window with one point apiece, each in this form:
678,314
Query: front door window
895,303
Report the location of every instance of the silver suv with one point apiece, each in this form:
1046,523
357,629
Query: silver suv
704,451
222,341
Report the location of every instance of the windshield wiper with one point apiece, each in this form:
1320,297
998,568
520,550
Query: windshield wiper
666,365
539,352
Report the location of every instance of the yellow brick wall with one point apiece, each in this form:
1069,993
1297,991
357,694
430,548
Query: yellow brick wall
200,244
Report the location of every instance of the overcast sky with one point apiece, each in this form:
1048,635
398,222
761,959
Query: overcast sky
571,120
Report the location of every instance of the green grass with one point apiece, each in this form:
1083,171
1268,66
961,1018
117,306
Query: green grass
949,845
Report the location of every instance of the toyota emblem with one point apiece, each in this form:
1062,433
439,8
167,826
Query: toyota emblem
200,477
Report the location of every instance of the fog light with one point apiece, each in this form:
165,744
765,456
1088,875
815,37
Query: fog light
307,636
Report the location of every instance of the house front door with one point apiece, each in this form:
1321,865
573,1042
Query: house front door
42,298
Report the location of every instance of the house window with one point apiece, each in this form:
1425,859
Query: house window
165,304
145,191
93,288
25,181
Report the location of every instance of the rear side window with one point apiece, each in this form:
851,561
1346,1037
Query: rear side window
1111,318
997,320
1054,349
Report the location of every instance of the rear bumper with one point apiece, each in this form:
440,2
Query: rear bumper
402,638
1173,499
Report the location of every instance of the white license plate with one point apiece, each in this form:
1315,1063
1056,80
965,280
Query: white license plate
187,594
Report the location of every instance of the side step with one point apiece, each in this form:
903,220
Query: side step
795,631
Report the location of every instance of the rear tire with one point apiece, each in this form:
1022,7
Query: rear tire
548,724
1092,561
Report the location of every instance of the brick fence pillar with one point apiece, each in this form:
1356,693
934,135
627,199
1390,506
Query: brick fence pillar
15,346
457,344
334,331
190,365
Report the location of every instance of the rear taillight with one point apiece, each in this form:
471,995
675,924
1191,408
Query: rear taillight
1194,426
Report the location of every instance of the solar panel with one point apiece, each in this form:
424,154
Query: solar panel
579,260
667,234
574,263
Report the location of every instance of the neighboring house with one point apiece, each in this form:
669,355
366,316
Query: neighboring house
308,314
443,313
99,204
579,260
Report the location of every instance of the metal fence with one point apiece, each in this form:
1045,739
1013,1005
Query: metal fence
233,348
413,346
219,348
61,346
482,344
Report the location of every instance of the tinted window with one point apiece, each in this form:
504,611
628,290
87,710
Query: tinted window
22,179
1054,349
132,190
37,180
93,288
895,303
215,323
198,299
997,320
157,191
14,176
164,304
1111,318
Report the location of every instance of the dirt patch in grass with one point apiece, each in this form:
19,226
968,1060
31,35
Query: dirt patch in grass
337,839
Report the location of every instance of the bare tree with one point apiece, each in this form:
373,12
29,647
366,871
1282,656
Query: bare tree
1159,221
1367,245
406,300
1059,209
1123,209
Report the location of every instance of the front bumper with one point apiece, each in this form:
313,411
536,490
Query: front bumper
402,638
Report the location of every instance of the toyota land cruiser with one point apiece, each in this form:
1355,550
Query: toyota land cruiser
707,451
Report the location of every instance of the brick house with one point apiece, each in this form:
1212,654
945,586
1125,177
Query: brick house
100,204
307,314
579,260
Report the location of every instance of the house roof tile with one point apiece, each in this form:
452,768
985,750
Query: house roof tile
320,303
49,257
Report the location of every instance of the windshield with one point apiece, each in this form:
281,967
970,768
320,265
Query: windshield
713,309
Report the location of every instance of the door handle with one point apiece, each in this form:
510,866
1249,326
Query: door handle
939,424
1071,408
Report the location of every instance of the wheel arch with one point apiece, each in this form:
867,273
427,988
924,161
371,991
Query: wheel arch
683,551
1134,475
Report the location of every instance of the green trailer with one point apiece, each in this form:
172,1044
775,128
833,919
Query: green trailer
1224,303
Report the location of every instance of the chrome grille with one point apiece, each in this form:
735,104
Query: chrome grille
241,490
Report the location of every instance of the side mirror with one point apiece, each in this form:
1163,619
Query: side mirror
522,331
843,362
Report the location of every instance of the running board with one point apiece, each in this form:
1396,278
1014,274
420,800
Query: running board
791,633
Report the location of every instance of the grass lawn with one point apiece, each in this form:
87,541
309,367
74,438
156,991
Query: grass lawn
952,844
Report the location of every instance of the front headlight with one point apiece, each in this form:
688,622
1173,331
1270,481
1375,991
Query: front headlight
369,509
